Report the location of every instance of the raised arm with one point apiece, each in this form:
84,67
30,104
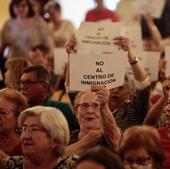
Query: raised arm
112,133
155,34
154,114
138,71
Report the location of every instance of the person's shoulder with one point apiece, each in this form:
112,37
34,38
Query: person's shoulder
67,162
91,11
13,162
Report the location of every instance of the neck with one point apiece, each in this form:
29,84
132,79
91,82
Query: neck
8,136
8,142
38,101
100,5
57,23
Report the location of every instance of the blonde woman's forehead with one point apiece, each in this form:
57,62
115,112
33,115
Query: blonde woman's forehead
88,97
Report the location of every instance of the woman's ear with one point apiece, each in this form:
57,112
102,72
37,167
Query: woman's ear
54,143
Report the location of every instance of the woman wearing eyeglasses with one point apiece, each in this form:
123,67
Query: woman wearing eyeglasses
11,104
140,148
44,135
97,124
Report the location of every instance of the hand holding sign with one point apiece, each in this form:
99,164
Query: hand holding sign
71,44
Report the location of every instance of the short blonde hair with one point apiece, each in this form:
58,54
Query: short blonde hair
53,121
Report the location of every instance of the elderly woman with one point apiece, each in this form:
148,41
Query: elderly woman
97,124
11,104
141,148
44,135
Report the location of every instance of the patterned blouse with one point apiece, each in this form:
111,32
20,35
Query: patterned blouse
16,162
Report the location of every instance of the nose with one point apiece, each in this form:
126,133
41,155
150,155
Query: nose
26,134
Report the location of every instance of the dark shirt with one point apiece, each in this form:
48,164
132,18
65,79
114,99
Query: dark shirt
134,112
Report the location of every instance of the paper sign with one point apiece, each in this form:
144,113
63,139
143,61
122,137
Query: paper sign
149,61
60,60
97,37
97,70
153,7
167,58
134,33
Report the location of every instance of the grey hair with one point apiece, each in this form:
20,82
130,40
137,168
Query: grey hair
53,121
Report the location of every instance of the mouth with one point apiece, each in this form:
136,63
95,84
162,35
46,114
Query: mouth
114,97
27,144
90,119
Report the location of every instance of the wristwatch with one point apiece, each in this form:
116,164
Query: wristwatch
136,60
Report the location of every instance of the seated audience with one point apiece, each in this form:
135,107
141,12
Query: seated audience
99,158
97,124
35,85
141,148
44,135
11,104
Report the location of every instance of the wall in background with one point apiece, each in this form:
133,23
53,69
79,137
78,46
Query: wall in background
72,9
3,11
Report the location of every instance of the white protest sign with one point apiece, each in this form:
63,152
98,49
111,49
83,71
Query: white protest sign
60,60
153,7
167,58
134,33
97,37
88,70
150,61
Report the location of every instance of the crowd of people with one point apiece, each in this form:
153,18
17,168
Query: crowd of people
44,125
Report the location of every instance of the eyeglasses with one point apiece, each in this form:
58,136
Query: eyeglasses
85,106
30,82
139,161
32,129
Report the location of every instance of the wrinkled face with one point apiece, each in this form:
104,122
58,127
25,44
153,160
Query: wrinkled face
21,10
138,159
31,87
118,96
88,111
34,138
89,165
8,119
167,113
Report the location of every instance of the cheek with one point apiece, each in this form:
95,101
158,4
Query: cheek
79,115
